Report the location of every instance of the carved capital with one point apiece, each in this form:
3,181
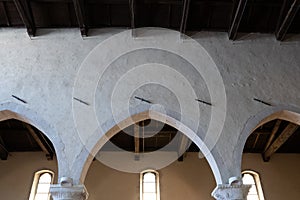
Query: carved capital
231,192
76,192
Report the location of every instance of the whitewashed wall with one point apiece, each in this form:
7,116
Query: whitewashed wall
43,71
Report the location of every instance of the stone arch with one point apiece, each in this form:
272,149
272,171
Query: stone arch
11,110
283,112
87,157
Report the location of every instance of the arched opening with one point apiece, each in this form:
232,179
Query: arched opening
272,150
24,150
185,177
29,118
99,140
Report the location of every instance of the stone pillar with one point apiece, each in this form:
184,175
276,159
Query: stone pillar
65,190
235,190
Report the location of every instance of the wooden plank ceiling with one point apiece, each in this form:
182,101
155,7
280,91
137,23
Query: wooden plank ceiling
279,17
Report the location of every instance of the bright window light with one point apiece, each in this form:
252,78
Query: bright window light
255,191
41,185
149,185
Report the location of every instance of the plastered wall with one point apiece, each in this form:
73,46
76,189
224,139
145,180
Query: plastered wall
17,173
190,179
43,71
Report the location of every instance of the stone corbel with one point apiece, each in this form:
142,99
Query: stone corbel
65,190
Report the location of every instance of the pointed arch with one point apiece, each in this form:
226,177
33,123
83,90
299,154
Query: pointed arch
87,156
282,112
11,110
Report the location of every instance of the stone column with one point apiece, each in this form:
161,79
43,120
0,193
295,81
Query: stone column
235,190
65,190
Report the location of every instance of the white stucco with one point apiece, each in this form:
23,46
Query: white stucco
44,71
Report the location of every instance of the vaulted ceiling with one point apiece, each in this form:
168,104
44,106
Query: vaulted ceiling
279,17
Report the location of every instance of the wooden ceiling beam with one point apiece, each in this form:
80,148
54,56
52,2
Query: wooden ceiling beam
287,21
136,130
24,10
184,143
38,140
132,13
261,132
256,140
81,18
273,133
282,138
237,17
184,17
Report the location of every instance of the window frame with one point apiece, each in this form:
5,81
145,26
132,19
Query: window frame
257,183
35,183
142,183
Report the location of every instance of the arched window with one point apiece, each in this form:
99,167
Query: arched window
252,178
41,185
149,185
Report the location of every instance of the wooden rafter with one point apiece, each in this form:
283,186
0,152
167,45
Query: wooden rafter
255,142
38,140
132,13
81,18
274,131
237,17
185,14
261,132
282,138
284,24
25,13
136,130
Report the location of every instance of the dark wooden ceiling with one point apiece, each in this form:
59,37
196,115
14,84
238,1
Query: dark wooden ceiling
277,136
279,17
152,136
17,136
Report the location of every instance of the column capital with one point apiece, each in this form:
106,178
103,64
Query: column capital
67,191
231,192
